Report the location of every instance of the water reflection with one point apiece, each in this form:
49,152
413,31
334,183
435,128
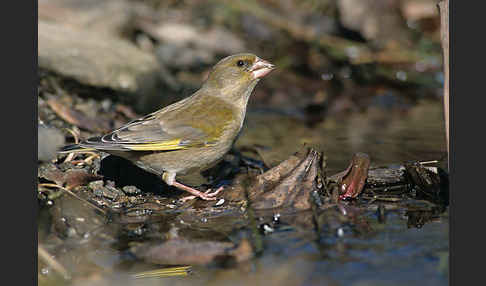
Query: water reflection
387,135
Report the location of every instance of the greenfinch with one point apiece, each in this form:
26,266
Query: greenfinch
192,134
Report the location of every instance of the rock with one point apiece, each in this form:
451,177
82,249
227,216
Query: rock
131,190
414,10
184,46
49,140
380,22
99,60
107,17
74,218
181,251
180,57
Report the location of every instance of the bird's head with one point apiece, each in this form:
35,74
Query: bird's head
238,72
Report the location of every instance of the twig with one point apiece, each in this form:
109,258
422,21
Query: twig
444,31
47,258
76,140
429,162
72,194
90,158
164,272
381,198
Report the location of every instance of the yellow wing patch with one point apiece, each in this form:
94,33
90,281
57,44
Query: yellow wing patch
158,146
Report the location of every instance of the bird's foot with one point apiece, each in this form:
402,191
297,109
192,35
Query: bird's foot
207,195
215,193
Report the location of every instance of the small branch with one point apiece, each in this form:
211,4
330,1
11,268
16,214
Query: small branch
444,32
47,185
75,134
49,260
164,272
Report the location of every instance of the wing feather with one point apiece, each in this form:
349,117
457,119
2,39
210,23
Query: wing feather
179,126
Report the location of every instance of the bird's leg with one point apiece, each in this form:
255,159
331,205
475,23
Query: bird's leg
169,178
206,193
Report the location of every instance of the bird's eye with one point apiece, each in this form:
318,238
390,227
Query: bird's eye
240,63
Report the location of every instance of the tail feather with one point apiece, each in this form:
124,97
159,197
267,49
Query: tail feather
75,148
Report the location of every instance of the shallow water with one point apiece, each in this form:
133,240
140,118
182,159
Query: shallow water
394,254
387,136
390,253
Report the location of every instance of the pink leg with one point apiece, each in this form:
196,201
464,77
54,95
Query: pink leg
207,196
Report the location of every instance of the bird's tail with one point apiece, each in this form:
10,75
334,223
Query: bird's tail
75,148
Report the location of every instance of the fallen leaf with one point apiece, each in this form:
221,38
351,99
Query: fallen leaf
288,184
69,179
77,118
352,180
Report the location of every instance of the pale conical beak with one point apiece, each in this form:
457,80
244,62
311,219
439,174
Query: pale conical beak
261,68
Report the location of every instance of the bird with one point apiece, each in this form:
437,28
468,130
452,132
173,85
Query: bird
190,135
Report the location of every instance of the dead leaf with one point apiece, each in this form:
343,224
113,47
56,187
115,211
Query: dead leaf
69,179
351,181
289,184
77,118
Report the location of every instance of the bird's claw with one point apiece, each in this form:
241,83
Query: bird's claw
213,194
207,195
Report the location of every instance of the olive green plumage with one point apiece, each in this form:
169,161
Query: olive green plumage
192,134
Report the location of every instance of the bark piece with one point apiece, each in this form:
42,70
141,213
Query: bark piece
431,185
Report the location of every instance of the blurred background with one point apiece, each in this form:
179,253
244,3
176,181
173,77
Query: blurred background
335,59
352,76
366,64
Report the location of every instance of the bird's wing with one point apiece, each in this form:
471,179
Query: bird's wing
166,130
151,133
